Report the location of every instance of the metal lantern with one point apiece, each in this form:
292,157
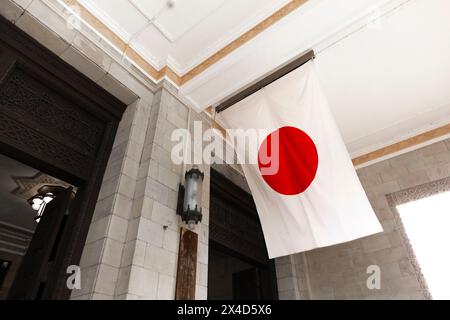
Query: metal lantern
190,197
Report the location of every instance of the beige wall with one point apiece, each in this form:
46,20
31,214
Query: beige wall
339,272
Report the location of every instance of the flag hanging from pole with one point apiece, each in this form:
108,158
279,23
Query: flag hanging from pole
305,187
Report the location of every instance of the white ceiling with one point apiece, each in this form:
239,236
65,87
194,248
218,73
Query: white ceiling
391,80
15,210
185,35
385,81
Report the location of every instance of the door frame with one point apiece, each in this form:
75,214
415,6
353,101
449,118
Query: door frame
19,49
265,269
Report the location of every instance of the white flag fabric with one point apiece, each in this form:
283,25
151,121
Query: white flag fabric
314,198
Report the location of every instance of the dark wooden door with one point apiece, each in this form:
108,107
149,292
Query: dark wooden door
235,229
246,285
37,262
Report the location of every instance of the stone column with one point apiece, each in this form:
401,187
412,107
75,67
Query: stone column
132,247
101,259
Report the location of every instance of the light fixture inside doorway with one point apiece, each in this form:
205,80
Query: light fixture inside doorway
39,202
190,197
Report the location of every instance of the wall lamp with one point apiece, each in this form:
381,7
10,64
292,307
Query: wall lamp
189,205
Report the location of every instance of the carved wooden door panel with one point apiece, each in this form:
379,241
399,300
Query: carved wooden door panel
46,124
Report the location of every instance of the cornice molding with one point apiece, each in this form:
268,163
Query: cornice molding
243,39
166,71
406,144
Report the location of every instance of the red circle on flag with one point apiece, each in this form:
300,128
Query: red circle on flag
295,167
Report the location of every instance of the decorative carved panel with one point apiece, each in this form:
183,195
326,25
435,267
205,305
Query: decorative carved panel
27,187
14,133
47,123
32,103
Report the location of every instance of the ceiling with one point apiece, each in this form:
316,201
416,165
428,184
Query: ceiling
389,81
18,183
384,64
186,34
13,209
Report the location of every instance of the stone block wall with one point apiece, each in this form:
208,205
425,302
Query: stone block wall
107,238
132,247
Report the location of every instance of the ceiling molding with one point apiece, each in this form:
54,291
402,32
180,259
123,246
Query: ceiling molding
243,39
403,145
97,25
166,71
112,25
227,38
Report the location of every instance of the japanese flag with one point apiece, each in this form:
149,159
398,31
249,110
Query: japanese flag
305,187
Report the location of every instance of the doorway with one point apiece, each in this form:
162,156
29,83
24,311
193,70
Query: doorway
426,222
54,121
238,266
28,201
235,277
